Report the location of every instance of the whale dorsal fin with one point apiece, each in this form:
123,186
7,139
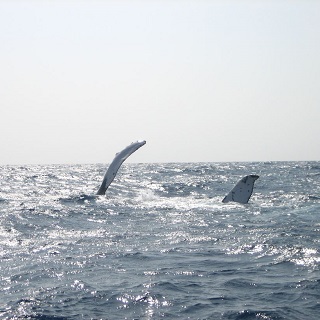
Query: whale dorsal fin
242,191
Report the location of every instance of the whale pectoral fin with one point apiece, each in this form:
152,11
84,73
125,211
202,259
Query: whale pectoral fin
120,157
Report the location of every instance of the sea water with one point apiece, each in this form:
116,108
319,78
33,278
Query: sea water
160,244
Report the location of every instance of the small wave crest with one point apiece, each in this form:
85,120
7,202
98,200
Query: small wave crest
147,195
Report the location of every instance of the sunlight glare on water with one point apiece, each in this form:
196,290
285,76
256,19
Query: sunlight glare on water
160,244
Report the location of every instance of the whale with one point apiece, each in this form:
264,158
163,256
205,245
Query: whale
116,163
242,191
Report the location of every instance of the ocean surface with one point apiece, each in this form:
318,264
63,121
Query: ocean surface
160,244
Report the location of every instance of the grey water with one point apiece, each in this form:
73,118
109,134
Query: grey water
160,244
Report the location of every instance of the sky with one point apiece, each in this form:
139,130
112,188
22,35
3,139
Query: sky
200,81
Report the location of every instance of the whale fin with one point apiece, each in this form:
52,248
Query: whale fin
120,157
242,191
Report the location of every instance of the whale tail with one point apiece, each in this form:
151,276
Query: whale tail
119,158
242,191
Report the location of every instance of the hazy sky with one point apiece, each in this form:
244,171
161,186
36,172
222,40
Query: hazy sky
198,80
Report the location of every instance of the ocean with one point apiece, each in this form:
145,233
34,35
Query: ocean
160,244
